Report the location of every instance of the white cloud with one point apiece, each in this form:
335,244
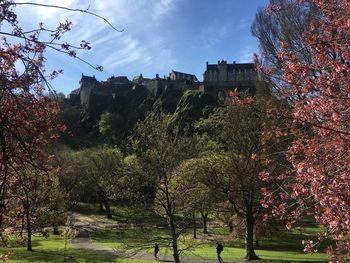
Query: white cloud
211,35
140,47
128,50
162,8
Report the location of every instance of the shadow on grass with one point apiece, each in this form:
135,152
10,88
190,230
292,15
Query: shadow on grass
71,256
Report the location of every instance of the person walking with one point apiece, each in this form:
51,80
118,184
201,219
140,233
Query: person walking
156,250
219,249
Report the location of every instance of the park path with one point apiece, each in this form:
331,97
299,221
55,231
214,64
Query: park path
86,224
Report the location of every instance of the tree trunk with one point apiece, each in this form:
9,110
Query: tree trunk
174,235
176,252
174,240
205,225
249,240
194,225
230,226
170,210
108,210
29,231
22,228
101,205
55,230
257,244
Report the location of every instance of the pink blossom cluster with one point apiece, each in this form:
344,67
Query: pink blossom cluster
319,183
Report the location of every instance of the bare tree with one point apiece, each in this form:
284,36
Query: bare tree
285,27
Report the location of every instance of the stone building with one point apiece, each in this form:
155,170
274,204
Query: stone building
221,78
88,81
218,80
138,79
223,72
175,75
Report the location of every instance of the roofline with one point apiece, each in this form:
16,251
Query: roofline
173,71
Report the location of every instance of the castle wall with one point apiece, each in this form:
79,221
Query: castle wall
218,79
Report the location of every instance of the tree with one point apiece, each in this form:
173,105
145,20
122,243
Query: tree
35,201
286,26
193,194
159,153
234,174
72,175
136,188
28,118
102,171
101,175
52,211
320,150
111,126
234,167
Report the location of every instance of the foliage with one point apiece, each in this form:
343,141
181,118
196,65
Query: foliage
240,156
111,126
72,175
192,106
135,187
28,117
159,153
38,202
319,153
191,193
101,174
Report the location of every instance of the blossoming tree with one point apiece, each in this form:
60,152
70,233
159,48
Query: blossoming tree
319,154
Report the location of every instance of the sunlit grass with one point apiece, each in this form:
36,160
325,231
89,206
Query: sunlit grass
51,250
286,248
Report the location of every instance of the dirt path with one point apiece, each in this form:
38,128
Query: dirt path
87,224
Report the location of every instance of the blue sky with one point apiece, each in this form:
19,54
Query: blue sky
159,36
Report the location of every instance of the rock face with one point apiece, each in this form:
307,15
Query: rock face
192,106
132,100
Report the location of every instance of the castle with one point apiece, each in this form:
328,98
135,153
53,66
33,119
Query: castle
218,80
223,72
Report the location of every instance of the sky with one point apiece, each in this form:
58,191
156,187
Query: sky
159,36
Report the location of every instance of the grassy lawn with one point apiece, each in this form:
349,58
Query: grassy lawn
51,250
287,248
123,214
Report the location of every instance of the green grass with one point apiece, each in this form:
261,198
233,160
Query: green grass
133,239
286,248
231,253
123,214
51,250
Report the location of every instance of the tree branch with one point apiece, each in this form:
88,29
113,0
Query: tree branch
86,11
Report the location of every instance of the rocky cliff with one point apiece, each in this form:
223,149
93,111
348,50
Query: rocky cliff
131,101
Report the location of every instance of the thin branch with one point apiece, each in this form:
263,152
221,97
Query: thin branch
86,11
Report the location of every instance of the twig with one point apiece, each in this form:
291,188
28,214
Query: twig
86,11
